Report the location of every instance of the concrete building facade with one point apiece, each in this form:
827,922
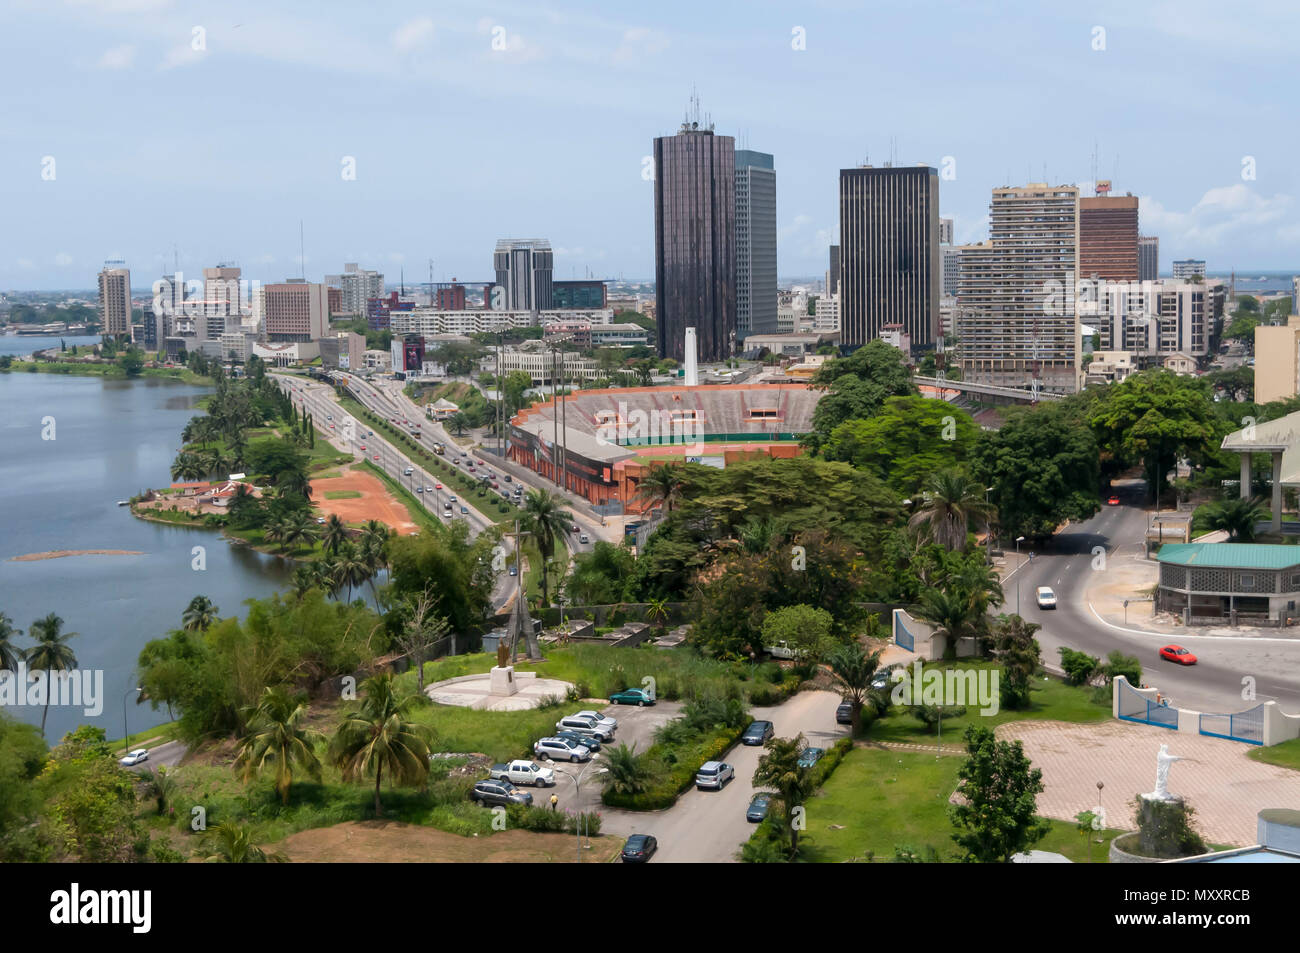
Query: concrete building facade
755,243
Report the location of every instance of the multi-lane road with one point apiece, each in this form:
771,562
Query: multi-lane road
1068,565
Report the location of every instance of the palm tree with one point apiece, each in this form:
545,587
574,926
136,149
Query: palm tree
375,531
780,771
663,485
50,654
351,567
187,467
547,520
374,557
276,531
304,579
160,785
1237,516
294,482
277,737
953,504
326,571
299,528
853,669
628,772
215,462
378,737
953,615
656,610
334,534
228,843
10,654
199,614
458,422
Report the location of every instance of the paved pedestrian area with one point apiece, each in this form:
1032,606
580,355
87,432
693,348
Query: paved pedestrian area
1226,788
475,691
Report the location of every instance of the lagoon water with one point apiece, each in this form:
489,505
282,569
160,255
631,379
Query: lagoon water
113,438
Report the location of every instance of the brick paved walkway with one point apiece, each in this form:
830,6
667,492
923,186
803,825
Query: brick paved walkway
1226,788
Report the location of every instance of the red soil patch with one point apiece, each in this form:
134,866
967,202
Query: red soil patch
394,842
375,502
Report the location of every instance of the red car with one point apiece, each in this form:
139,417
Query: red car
1176,653
376,456
363,446
1113,501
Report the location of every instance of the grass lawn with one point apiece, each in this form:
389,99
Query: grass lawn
1051,699
881,799
502,735
342,494
1285,755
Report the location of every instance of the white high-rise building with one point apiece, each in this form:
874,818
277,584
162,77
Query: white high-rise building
356,286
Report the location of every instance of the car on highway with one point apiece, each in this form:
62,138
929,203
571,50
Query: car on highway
134,757
639,848
584,539
419,489
757,733
758,808
508,478
632,696
464,510
363,446
1176,653
561,749
1112,501
1045,597
451,499
810,756
496,793
713,774
408,471
585,740
376,456
844,713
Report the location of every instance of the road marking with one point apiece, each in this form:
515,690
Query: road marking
1213,638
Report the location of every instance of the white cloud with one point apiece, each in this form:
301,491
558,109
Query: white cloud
1230,215
638,43
413,34
183,55
26,264
119,57
63,259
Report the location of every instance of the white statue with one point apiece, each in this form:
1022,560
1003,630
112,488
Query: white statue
1163,761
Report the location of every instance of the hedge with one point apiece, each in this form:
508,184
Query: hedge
546,821
683,763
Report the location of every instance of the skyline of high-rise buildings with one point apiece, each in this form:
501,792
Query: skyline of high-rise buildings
756,280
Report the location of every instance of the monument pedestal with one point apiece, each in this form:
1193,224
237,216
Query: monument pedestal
503,680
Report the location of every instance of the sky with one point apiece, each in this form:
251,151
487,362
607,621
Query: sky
155,131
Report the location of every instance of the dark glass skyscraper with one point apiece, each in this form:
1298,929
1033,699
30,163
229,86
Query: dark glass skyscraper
889,252
695,228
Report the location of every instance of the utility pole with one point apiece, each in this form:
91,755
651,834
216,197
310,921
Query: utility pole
555,400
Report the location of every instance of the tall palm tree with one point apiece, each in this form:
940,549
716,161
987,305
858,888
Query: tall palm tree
334,534
376,531
50,654
458,422
1236,516
374,557
379,737
545,517
304,579
952,505
779,770
853,669
663,485
187,467
352,570
327,574
277,737
215,462
276,531
199,614
299,528
10,654
229,843
294,482
952,614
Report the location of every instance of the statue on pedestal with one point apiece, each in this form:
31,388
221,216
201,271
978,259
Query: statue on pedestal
1163,762
502,654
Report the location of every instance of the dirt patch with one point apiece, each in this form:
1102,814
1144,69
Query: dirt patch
397,843
372,502
60,553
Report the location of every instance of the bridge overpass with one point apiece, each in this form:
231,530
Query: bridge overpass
985,393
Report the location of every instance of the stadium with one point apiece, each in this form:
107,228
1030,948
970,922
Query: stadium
609,439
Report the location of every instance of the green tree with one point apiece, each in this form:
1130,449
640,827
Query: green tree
951,506
853,669
627,771
334,534
780,772
908,441
662,486
1237,517
546,519
1016,648
50,654
230,843
803,628
277,738
199,614
953,616
10,654
857,386
997,817
379,736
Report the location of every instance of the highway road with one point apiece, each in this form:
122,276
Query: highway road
1215,684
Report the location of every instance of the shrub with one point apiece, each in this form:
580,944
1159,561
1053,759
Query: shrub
764,695
1079,666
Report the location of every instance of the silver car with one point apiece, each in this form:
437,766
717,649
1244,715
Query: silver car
560,749
603,720
585,726
713,775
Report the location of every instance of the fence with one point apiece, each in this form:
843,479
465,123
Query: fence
1132,705
1247,726
902,635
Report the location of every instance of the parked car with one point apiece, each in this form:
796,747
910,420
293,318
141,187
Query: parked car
810,757
757,733
514,570
509,479
585,726
587,741
713,774
844,713
135,757
1176,653
639,848
561,749
632,696
498,793
882,678
1046,597
758,808
602,720
784,650
523,772
464,510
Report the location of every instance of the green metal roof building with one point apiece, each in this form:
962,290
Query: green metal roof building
1255,583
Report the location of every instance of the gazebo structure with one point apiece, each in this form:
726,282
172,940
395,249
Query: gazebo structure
1280,439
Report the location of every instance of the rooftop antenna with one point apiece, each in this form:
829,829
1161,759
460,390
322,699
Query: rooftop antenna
302,253
1094,167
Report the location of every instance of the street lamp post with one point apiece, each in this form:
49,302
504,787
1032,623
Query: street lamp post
125,733
577,798
988,545
1019,540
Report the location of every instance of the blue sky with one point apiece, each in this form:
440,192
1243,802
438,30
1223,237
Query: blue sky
220,151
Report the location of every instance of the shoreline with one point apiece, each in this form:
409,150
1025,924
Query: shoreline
60,553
